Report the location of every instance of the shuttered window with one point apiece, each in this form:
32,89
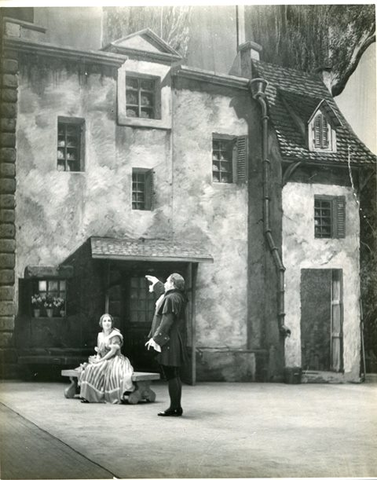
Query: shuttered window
142,189
229,159
329,217
321,131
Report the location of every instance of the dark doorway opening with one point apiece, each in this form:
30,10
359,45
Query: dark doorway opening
132,305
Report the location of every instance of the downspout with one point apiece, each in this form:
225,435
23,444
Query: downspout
258,88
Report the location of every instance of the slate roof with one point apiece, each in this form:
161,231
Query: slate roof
304,92
147,250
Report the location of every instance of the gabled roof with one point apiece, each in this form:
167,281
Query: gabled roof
292,92
144,43
325,107
305,107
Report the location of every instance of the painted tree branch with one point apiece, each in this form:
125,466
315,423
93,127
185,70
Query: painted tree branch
340,79
307,37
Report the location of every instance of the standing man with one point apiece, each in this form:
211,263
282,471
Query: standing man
167,336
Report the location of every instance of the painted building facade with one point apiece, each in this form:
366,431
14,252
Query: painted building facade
128,163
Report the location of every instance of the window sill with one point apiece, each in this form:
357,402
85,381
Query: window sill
322,150
144,123
226,185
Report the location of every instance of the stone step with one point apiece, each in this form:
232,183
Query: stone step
371,378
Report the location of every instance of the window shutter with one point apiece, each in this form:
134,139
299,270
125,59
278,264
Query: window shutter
317,132
25,292
149,190
325,132
81,148
157,99
339,216
241,159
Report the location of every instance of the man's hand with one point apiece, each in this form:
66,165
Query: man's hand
151,343
153,280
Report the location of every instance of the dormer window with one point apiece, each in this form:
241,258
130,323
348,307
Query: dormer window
322,129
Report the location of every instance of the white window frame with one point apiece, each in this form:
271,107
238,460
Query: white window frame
163,107
238,161
331,147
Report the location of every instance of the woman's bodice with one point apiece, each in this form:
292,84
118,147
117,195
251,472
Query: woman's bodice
105,342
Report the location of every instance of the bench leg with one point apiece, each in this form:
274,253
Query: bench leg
142,392
72,389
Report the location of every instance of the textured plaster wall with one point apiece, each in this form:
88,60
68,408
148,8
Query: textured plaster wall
57,211
302,250
213,214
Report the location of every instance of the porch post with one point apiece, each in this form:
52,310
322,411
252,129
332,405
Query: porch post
107,286
191,283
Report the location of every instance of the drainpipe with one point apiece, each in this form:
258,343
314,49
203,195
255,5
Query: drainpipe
258,88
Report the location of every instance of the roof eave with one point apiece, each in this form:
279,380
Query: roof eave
152,258
46,49
329,163
211,77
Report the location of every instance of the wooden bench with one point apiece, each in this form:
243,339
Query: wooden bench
141,380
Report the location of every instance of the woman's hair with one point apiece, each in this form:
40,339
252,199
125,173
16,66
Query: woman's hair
106,315
178,281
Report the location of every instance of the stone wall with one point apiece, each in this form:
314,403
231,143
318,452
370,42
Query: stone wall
8,109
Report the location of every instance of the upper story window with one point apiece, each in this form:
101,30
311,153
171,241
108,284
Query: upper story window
329,217
70,150
141,97
142,189
229,159
322,135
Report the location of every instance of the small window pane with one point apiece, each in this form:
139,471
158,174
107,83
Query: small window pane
42,286
53,285
147,84
131,82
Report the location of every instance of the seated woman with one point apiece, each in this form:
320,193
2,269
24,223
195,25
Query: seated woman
108,374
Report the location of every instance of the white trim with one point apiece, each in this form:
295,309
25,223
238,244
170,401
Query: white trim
165,121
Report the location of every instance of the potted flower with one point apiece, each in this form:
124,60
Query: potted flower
59,305
37,302
48,304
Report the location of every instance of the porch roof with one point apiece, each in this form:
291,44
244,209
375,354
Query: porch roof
146,250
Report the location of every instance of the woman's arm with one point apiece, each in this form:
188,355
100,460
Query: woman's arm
114,347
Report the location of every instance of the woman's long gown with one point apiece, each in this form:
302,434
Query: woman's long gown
106,382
